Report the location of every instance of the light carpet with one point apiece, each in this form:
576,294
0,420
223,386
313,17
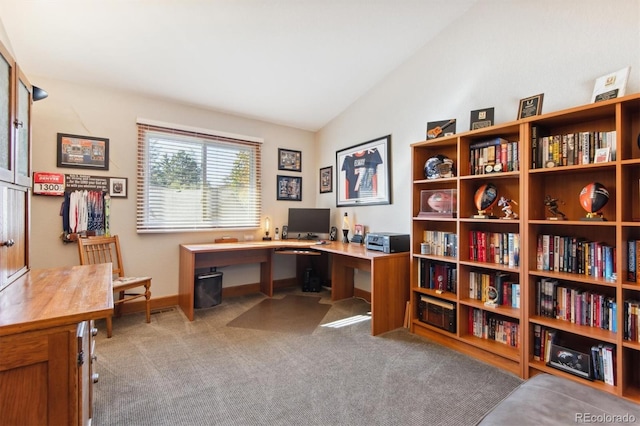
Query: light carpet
177,372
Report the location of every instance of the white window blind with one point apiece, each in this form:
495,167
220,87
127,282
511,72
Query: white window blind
191,180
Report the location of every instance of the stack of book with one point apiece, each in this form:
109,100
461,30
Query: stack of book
576,305
571,148
575,255
487,325
508,290
494,155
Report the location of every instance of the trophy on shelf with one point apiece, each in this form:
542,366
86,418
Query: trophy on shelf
507,208
491,297
593,197
552,206
485,198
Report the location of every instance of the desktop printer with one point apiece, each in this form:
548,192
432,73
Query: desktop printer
387,242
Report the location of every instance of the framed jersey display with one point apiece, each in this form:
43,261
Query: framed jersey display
364,173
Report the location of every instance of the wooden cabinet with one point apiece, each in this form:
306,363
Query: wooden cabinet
14,202
46,347
508,335
15,169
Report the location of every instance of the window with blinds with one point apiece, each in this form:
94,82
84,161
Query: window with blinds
191,179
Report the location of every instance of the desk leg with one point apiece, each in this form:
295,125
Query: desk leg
266,275
186,284
389,293
341,278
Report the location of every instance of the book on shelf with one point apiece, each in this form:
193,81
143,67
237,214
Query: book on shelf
631,261
537,341
631,327
515,295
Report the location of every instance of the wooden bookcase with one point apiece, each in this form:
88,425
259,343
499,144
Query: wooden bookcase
528,186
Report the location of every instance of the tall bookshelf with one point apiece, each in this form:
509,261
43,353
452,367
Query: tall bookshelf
514,346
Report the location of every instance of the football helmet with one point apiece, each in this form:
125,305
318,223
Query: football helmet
439,166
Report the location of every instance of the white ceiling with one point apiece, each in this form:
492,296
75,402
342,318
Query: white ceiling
293,62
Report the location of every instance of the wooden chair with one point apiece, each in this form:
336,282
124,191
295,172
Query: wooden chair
93,250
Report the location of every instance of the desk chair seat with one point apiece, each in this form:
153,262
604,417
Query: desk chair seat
93,250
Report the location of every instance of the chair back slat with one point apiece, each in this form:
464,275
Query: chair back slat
95,250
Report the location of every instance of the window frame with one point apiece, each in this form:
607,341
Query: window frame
209,140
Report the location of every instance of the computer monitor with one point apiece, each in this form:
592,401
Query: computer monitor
308,223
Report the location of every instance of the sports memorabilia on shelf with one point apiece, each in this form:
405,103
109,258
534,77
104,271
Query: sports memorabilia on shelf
438,203
593,197
485,198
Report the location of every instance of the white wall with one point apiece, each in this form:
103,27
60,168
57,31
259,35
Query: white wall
92,111
496,54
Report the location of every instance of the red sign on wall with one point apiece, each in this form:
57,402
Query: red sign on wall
48,183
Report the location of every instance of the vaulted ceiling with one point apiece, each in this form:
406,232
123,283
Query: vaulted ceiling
293,62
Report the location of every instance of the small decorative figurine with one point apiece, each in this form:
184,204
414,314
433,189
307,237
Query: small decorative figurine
552,205
507,209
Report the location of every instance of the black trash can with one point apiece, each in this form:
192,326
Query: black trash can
207,290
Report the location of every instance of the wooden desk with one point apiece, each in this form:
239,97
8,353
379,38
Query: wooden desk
46,344
389,281
389,273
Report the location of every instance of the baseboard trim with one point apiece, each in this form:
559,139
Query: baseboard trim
158,303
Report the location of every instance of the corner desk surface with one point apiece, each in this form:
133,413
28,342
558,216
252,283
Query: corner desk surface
389,272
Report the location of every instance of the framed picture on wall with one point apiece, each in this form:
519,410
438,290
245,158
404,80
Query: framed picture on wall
86,152
326,179
289,160
289,188
364,173
118,187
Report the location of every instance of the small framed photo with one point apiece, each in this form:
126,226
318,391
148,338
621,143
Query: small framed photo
86,152
530,106
289,160
602,155
289,188
358,229
118,187
326,179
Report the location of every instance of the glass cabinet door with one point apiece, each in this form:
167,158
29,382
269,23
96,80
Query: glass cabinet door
23,132
6,117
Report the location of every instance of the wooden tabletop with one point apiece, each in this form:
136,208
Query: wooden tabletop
336,247
50,297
